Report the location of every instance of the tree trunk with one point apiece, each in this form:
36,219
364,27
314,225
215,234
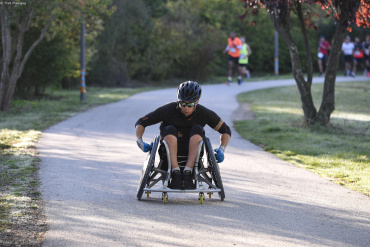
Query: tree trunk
12,70
282,25
328,98
7,53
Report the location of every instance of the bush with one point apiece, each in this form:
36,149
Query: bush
47,65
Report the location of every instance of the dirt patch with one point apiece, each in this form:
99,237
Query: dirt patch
244,112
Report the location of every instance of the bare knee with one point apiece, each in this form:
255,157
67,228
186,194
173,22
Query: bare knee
169,133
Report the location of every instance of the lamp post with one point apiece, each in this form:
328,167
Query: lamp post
276,62
82,61
276,72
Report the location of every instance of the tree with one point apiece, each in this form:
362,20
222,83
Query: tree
155,40
346,14
51,61
122,45
16,18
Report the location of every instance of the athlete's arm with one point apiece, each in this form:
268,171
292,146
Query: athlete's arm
139,130
249,50
227,49
145,147
149,119
225,132
224,140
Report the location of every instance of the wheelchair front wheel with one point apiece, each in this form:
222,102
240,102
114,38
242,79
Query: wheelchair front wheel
147,168
214,168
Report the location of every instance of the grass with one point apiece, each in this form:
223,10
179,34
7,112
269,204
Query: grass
339,152
20,128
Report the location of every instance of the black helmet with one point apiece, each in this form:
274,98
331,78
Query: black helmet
189,91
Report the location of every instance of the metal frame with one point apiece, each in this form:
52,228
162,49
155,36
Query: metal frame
203,175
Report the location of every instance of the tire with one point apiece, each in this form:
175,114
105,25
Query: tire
147,168
214,168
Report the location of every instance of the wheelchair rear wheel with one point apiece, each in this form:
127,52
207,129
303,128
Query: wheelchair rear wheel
147,168
214,168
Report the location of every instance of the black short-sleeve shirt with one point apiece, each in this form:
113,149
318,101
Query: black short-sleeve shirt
170,114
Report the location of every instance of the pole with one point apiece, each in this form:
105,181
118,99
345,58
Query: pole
276,53
82,61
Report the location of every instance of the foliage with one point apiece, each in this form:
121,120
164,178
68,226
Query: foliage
136,45
51,61
17,18
345,14
156,40
122,45
185,42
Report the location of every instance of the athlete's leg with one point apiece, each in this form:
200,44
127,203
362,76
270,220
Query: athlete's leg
193,150
242,70
319,61
170,136
196,137
355,62
230,70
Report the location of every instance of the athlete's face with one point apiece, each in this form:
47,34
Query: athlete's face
186,110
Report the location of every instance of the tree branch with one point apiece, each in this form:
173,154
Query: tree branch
6,41
33,46
298,7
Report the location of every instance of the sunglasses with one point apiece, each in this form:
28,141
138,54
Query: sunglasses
183,104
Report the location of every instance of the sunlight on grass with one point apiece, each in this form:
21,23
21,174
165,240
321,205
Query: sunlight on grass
339,152
351,116
288,110
337,114
20,129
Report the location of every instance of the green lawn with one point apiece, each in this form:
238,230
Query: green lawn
339,152
20,128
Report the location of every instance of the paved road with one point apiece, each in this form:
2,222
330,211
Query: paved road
91,167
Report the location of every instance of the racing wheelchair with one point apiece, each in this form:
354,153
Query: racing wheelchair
156,178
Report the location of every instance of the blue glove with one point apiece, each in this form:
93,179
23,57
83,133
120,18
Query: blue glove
145,147
220,154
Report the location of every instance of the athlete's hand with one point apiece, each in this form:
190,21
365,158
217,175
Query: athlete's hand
219,152
145,147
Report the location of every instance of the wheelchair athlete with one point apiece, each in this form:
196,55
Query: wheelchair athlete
181,127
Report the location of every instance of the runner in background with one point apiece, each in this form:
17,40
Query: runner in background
324,47
367,55
245,52
347,49
234,45
358,55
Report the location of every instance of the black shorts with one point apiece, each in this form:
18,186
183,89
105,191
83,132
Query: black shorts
183,136
358,60
324,58
235,60
244,65
348,58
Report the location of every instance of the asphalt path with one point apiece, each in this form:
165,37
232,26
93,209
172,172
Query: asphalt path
91,167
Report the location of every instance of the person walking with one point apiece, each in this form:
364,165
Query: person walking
358,55
347,49
234,45
324,48
245,52
367,55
